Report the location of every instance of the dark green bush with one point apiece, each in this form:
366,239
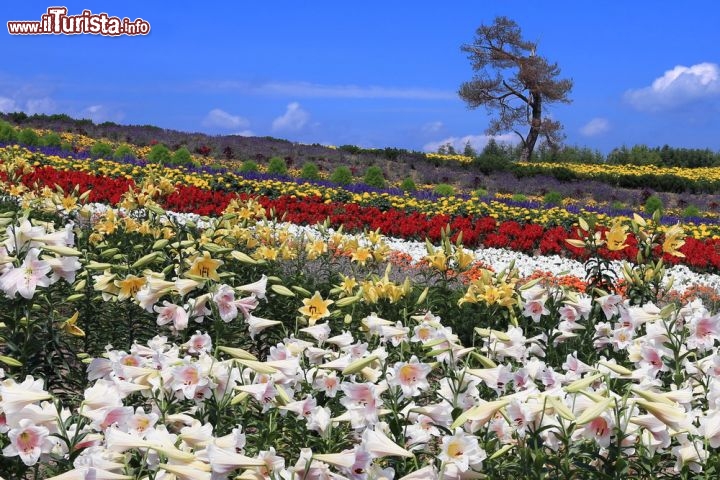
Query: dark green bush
374,177
51,139
101,150
159,153
27,136
553,198
341,175
277,166
8,134
249,166
444,190
691,211
182,156
652,204
408,185
122,152
310,171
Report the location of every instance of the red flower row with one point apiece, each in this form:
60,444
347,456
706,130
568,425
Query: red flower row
476,231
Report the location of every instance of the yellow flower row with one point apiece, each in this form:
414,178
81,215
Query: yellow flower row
591,170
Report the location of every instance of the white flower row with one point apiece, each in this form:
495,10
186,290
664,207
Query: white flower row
497,258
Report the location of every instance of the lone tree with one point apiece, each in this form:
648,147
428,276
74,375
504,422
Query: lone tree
516,82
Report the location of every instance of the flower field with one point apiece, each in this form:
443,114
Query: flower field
193,323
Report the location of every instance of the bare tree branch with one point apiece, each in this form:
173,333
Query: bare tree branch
514,82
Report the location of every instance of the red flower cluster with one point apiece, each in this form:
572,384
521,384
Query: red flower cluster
476,231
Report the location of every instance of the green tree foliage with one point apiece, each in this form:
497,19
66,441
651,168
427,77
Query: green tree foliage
493,157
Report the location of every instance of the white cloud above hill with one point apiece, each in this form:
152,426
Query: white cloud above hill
594,127
217,118
678,87
293,119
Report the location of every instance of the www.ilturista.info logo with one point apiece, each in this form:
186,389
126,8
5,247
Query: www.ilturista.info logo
57,22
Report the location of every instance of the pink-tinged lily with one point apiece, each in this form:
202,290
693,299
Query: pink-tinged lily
26,278
63,267
461,450
28,441
171,313
410,376
224,298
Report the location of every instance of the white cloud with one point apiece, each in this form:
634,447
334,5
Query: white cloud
101,113
677,87
245,133
8,105
478,142
294,118
40,105
217,118
306,89
433,127
596,126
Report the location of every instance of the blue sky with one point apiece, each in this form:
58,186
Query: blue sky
371,73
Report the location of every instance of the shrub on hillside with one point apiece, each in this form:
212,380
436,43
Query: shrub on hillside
122,152
374,177
342,175
277,166
249,166
182,156
652,204
691,211
101,150
50,139
444,190
8,134
27,136
159,153
408,185
310,171
553,198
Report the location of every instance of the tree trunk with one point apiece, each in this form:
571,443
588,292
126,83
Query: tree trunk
535,123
